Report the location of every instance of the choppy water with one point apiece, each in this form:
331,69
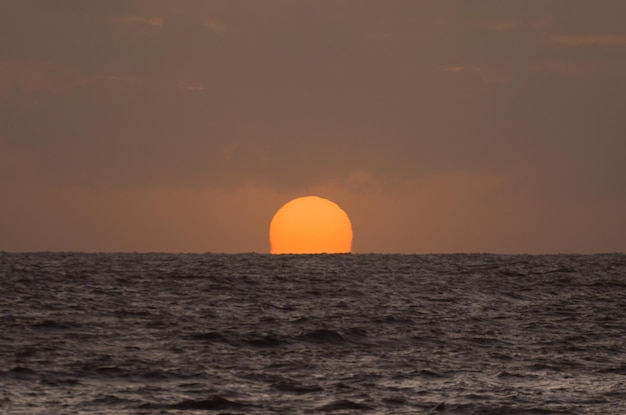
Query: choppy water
261,334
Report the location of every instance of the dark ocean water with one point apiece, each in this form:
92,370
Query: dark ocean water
261,334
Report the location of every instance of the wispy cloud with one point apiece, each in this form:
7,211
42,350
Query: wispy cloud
214,25
503,25
578,70
590,40
154,21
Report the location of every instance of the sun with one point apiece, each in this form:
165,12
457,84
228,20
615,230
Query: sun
310,225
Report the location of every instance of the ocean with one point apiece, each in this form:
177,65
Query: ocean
473,334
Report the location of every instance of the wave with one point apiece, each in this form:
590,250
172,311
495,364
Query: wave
215,403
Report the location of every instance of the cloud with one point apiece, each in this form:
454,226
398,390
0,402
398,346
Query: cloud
503,25
128,131
154,21
366,96
579,70
590,40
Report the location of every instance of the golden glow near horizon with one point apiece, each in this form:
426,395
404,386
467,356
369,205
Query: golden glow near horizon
310,225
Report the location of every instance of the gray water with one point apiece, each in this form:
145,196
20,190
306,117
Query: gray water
262,334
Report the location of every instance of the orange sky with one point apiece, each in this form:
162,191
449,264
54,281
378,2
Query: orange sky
438,126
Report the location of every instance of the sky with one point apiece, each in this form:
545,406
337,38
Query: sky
439,126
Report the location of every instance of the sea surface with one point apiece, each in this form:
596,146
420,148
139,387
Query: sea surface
312,334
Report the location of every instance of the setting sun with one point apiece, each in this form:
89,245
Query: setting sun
310,225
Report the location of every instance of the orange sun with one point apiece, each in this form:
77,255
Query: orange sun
310,225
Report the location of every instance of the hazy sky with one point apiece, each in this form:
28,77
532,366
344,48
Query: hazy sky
438,126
